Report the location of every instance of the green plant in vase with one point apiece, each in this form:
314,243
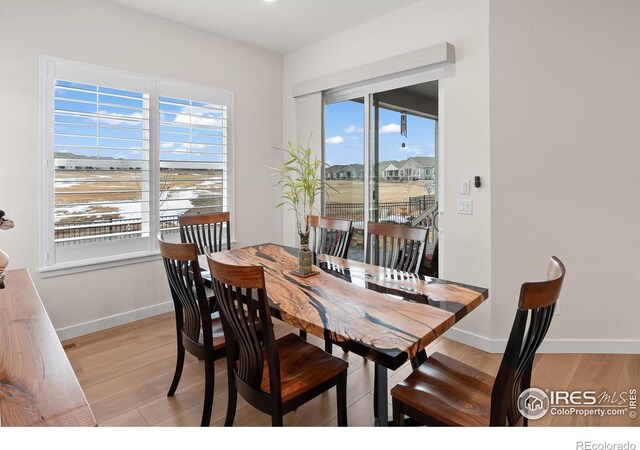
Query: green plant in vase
301,181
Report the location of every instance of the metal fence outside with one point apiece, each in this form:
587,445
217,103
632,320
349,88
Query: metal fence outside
114,229
402,212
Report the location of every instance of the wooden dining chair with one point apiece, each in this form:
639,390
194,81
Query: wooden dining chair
395,246
206,231
330,236
443,391
276,376
199,331
429,266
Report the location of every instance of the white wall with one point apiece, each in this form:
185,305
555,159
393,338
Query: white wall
464,23
543,103
565,164
102,33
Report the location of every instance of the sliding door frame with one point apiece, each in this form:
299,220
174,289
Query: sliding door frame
366,90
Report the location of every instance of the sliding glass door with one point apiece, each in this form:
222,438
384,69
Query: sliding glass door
344,167
381,158
404,157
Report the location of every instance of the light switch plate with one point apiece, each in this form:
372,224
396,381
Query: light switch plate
465,186
465,207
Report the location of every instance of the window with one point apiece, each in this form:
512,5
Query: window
123,156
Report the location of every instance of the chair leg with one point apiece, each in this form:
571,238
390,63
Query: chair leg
341,393
178,372
303,335
232,399
398,415
209,380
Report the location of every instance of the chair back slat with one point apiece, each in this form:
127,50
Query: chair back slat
206,231
187,290
395,246
330,236
533,318
244,310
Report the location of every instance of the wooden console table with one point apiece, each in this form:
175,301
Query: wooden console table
37,384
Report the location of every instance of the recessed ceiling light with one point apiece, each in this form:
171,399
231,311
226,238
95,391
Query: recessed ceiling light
269,1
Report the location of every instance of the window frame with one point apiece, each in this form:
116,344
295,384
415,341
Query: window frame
136,250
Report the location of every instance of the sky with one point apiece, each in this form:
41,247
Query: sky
344,135
93,121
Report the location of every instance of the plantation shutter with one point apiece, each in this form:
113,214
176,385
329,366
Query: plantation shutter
193,153
193,150
101,160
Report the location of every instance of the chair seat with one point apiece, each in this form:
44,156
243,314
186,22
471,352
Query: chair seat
303,366
448,391
217,332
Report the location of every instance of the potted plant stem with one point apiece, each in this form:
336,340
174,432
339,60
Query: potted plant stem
300,179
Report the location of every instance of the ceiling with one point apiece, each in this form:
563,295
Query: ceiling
279,26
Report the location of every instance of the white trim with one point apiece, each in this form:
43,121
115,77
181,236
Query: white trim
88,265
548,345
440,189
389,82
418,59
184,86
153,159
366,176
46,166
113,321
471,339
231,164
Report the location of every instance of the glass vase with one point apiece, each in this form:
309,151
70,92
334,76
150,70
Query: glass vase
304,255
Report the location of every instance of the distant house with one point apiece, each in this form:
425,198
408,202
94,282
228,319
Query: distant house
344,172
388,170
418,168
84,163
414,168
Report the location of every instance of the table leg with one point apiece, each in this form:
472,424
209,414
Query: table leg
380,398
417,360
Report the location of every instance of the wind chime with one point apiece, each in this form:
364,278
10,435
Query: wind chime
403,126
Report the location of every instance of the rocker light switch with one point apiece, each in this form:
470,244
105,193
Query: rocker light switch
465,186
465,207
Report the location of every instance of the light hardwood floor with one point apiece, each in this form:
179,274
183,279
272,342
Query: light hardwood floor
126,371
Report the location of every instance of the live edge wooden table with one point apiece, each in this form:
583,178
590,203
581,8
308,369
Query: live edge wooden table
384,315
37,384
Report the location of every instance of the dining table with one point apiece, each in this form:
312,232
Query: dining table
386,316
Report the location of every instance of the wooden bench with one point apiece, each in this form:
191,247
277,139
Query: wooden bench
37,384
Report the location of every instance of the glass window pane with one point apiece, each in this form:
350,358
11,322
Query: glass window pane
344,168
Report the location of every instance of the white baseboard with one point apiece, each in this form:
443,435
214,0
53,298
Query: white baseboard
112,321
549,345
470,339
465,337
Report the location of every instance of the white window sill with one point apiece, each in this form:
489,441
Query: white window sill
88,265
